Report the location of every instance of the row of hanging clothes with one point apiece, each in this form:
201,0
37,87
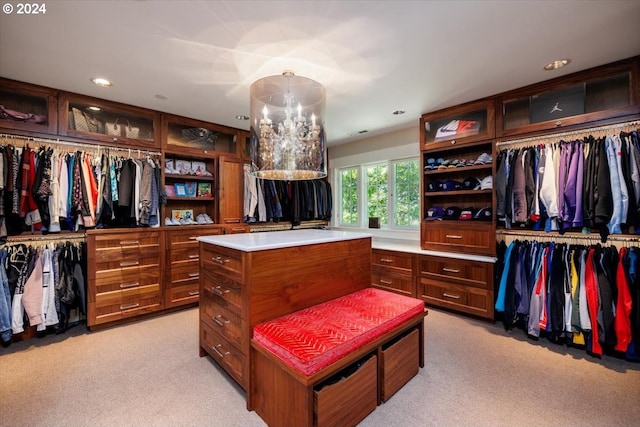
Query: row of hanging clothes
57,187
43,286
294,201
587,296
592,182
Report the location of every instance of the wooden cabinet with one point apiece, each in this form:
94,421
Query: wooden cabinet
457,182
593,95
182,263
106,122
231,190
461,285
190,184
33,108
123,274
394,271
241,288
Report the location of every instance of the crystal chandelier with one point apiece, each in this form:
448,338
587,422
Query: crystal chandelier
287,133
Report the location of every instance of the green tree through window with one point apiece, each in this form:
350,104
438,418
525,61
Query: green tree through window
349,196
377,192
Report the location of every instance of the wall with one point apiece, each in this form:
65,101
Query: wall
397,144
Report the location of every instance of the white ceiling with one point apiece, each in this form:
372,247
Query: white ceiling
373,57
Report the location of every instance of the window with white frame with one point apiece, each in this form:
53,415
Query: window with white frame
348,203
390,191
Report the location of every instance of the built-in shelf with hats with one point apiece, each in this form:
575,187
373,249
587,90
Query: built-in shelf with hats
457,208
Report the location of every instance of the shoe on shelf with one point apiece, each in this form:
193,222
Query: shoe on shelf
207,219
168,221
200,219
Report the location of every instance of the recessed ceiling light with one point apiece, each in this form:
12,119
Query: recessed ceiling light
161,97
559,63
242,117
398,112
92,108
102,82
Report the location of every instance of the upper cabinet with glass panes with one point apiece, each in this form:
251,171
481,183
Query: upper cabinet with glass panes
605,93
194,137
28,107
462,124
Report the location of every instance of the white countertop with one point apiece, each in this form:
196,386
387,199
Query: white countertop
414,247
250,242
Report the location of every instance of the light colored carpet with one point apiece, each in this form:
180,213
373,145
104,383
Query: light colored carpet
149,373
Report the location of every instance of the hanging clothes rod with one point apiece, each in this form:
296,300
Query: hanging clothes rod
79,144
43,239
568,133
566,236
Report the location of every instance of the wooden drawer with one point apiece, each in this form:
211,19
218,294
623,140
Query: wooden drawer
223,291
389,279
186,271
230,358
350,400
452,270
400,363
224,322
224,261
126,240
190,252
126,256
466,299
116,305
182,293
473,237
176,238
397,260
126,278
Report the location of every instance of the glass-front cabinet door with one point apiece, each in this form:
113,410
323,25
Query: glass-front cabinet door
463,124
28,107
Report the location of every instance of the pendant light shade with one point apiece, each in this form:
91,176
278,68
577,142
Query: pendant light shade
287,128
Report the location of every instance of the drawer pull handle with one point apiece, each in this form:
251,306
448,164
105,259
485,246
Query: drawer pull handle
194,293
193,237
194,274
446,295
386,282
219,290
238,229
450,270
194,256
220,320
129,242
129,285
215,348
219,260
129,263
453,236
385,260
130,306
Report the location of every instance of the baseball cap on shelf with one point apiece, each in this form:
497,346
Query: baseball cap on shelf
451,185
471,183
484,214
452,212
433,213
467,214
487,183
434,186
483,159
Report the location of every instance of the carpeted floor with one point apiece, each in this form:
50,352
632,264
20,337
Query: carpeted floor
149,373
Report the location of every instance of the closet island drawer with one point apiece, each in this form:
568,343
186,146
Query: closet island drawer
224,261
471,237
223,291
224,322
228,356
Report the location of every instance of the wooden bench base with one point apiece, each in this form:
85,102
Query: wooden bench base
284,397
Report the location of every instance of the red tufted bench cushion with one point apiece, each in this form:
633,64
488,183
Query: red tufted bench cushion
311,339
